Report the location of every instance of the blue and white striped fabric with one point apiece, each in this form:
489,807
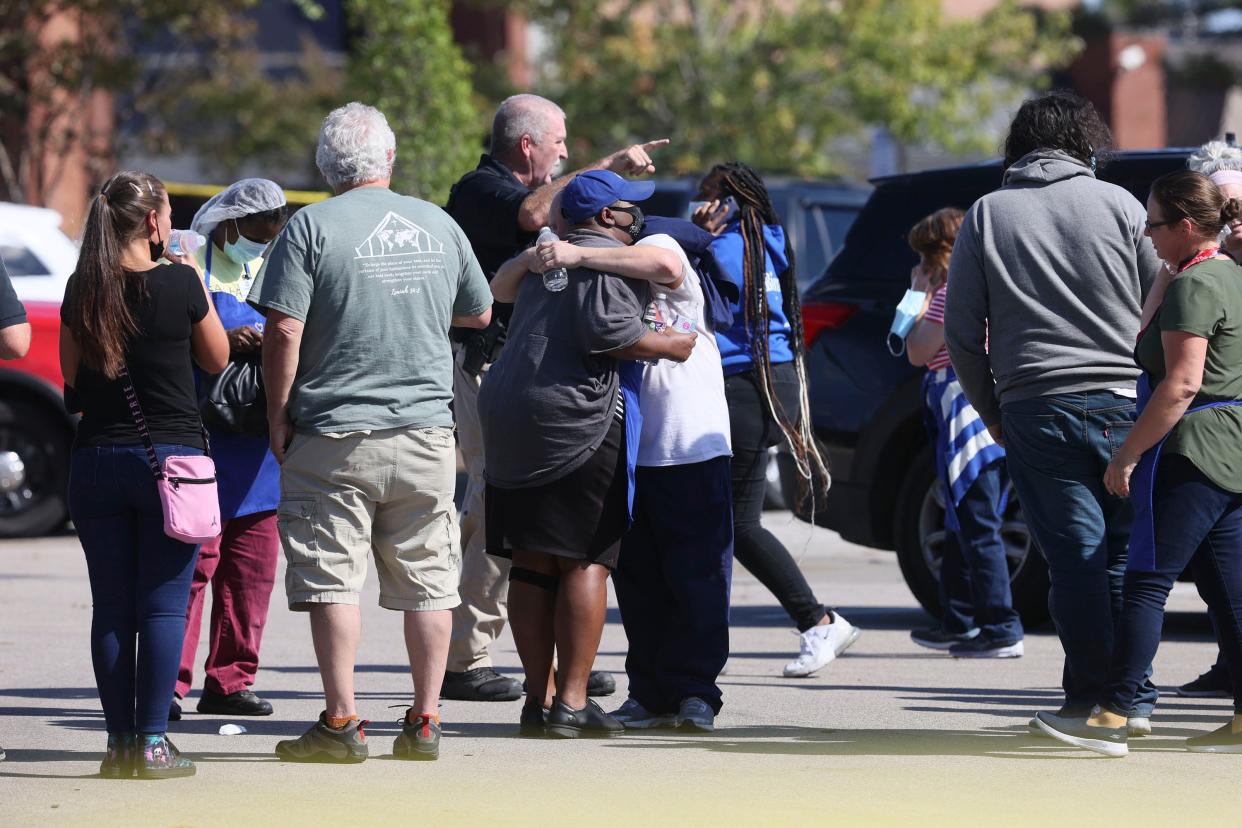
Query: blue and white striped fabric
963,447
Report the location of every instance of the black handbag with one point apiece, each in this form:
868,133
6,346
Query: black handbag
235,400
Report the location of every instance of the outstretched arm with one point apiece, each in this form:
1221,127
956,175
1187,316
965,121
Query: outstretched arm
648,262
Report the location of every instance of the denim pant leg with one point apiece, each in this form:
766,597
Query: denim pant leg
1194,519
957,605
1056,456
983,553
108,534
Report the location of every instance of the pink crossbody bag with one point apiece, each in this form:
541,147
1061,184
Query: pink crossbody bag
186,483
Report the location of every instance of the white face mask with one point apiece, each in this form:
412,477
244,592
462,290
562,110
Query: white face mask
907,311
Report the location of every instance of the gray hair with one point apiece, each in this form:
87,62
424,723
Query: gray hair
1215,156
520,115
356,145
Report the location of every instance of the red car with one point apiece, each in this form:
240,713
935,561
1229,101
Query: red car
35,432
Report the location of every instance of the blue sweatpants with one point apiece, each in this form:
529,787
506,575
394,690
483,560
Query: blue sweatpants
673,581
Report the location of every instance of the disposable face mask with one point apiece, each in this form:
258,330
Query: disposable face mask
907,311
243,250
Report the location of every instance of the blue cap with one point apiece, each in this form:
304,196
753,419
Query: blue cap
592,191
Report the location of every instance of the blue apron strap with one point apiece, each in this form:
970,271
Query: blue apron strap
207,271
1142,550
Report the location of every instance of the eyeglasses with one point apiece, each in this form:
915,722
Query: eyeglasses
1152,225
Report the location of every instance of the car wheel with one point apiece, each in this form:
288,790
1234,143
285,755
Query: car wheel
34,471
921,538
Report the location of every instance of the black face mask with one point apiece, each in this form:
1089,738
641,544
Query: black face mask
635,227
157,248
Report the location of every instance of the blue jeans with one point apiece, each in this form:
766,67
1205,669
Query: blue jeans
1195,520
1057,449
140,582
672,583
974,575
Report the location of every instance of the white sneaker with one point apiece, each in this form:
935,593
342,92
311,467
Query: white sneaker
821,645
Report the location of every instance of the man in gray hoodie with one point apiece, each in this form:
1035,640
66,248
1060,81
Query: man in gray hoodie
1046,288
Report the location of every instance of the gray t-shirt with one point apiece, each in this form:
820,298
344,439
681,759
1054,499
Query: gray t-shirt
546,404
376,277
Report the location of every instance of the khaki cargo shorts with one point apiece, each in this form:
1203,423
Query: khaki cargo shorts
388,492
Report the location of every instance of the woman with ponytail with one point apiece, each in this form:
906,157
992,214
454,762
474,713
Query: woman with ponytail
765,384
130,322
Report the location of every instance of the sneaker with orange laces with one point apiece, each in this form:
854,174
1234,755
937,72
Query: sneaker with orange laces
420,737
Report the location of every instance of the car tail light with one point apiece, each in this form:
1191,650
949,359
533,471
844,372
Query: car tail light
818,317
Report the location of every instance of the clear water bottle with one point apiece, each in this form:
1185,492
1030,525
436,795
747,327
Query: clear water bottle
656,316
556,279
185,242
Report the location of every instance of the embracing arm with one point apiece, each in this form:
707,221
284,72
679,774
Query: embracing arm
632,160
643,261
282,342
508,278
663,345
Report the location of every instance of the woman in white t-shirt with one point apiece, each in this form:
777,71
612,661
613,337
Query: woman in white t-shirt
676,563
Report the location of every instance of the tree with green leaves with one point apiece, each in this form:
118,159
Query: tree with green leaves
406,64
60,60
777,83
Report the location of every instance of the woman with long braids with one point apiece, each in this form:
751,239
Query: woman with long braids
130,326
765,384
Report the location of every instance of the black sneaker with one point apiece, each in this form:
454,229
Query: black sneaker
601,684
321,743
531,725
938,638
160,759
1214,684
986,647
241,703
480,684
118,762
1221,740
564,722
1110,741
419,739
174,711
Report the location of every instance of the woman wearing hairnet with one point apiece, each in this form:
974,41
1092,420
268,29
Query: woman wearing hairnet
240,564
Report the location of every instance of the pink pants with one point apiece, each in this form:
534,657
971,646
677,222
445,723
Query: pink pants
240,565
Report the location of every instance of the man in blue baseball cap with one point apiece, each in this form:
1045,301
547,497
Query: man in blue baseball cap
558,449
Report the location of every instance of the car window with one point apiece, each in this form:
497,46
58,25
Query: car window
824,227
21,261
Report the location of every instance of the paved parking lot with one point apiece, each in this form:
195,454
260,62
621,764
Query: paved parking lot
888,735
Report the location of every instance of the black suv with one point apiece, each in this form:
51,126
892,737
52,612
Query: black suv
867,405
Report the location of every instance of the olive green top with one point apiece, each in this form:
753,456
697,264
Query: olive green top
1205,300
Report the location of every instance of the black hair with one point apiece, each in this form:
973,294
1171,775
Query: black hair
754,211
1059,120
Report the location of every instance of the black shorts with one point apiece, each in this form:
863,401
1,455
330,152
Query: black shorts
582,516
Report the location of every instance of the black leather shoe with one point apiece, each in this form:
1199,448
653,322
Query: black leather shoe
241,703
564,722
601,684
174,711
531,725
480,684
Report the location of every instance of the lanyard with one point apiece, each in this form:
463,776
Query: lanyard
207,274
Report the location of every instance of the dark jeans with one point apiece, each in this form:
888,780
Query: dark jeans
672,584
753,432
1057,449
1195,520
140,583
974,575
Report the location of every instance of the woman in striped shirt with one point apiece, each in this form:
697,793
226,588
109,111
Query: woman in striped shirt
977,615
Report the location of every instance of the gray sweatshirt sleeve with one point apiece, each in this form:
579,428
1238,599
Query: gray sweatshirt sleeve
1149,263
966,323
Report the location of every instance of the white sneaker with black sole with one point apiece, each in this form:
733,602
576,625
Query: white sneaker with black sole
821,644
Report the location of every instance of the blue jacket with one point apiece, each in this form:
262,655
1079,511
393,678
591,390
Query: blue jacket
735,341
